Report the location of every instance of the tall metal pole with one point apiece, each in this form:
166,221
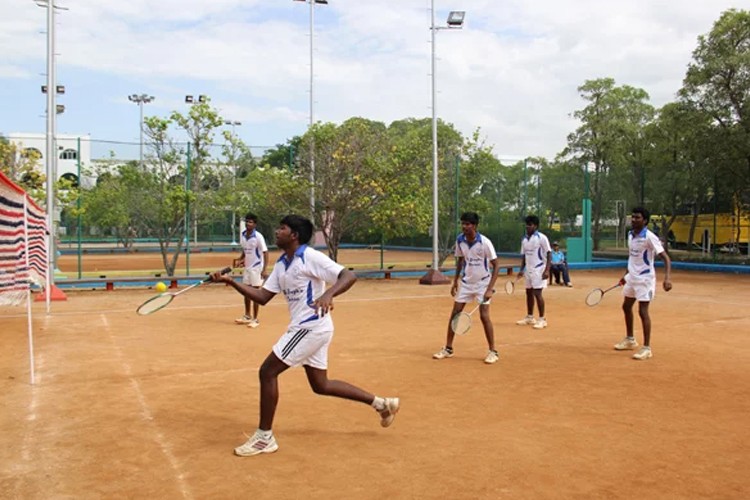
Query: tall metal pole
312,119
140,141
50,143
434,146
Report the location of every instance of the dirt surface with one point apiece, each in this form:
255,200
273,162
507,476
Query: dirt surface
151,407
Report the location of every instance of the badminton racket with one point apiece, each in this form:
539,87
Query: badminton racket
461,321
510,285
595,296
162,300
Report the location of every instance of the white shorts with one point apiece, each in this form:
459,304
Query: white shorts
533,278
640,290
302,346
472,292
252,277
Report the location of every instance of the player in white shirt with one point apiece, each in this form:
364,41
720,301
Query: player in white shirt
253,258
535,265
476,266
301,274
639,284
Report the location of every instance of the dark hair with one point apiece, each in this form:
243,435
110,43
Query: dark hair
470,217
251,216
644,213
532,219
300,225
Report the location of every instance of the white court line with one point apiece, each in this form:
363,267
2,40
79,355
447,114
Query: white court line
146,414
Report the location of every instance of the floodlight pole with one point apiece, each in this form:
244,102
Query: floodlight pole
233,123
50,147
434,276
312,101
140,100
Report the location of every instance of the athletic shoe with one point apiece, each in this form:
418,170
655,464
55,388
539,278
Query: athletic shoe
388,413
256,445
643,354
445,352
492,357
569,285
528,320
626,344
540,323
253,323
243,320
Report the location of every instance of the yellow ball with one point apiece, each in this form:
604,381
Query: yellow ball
161,287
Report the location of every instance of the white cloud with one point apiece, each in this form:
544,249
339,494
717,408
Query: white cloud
513,70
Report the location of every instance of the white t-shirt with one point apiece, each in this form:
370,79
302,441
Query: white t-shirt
253,245
535,249
643,248
477,257
302,281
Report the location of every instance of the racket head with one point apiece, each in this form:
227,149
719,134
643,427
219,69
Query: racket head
154,304
510,287
594,297
461,323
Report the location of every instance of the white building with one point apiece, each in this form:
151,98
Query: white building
67,150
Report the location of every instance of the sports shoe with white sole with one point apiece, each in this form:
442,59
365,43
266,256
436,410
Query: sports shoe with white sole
492,357
253,323
528,320
388,413
443,353
256,445
243,320
643,354
626,344
540,324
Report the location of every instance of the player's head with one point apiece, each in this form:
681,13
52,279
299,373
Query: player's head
251,218
643,213
469,223
532,224
300,226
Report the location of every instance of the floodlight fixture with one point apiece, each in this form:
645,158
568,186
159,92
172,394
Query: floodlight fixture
456,18
140,100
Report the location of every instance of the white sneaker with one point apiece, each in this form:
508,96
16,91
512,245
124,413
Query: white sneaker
253,323
492,357
540,323
243,320
643,354
256,445
388,413
528,320
626,344
443,353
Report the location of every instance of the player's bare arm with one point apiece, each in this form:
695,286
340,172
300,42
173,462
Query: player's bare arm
459,266
494,265
263,272
523,266
545,274
667,271
259,295
344,282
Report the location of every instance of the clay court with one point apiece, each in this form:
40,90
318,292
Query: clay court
151,407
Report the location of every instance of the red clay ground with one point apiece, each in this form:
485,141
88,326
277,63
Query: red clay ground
151,407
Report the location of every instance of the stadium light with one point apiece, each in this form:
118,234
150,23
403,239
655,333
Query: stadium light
312,102
140,100
455,21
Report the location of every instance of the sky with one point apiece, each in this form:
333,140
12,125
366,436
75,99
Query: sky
512,71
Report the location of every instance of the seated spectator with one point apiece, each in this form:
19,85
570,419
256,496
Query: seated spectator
559,266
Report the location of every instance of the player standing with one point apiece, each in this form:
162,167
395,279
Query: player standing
476,266
535,264
253,258
301,274
639,284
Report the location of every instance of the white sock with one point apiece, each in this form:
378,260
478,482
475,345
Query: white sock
264,434
378,403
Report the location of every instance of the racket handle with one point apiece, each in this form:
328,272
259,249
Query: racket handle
223,271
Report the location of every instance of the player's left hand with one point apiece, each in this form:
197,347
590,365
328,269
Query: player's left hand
667,285
323,304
